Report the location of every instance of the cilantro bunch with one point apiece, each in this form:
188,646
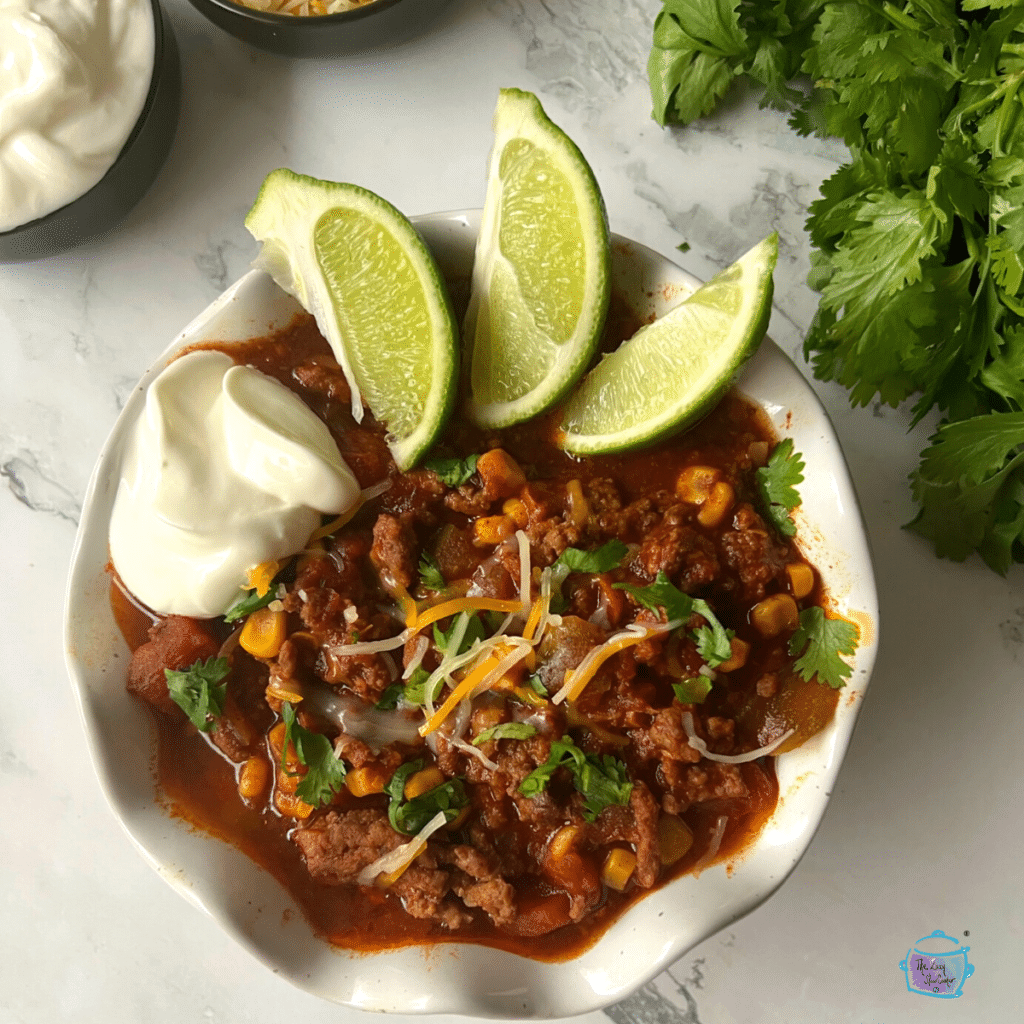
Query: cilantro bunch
919,238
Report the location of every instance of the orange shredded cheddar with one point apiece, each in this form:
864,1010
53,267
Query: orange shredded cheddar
464,604
576,681
261,576
464,689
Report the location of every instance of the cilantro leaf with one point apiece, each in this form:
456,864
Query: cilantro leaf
251,602
409,816
415,688
453,472
601,780
390,697
714,641
199,692
662,594
692,689
506,731
474,631
822,640
602,559
431,576
918,236
326,774
776,483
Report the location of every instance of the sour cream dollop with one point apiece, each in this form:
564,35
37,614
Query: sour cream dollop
74,75
226,468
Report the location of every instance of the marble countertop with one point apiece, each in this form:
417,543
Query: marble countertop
925,826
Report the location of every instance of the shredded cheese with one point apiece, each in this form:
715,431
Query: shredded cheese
392,864
464,604
524,568
370,646
421,648
577,679
751,755
493,667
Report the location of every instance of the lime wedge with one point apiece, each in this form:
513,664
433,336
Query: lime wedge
541,272
356,264
673,371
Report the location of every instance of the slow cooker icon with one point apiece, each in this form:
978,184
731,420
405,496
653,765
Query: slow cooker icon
936,965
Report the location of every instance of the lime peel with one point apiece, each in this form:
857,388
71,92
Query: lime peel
359,266
674,370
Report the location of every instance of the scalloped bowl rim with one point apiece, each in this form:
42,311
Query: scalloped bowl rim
464,978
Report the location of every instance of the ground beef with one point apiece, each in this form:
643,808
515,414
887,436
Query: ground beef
694,784
339,845
679,551
175,642
469,500
395,548
549,538
750,552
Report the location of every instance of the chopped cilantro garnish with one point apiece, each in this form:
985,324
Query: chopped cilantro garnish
506,731
414,687
692,689
430,573
713,640
662,593
602,781
604,558
198,691
822,640
250,603
453,472
409,816
326,773
390,697
536,684
776,483
474,631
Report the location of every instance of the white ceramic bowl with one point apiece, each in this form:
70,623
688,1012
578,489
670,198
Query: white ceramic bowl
465,979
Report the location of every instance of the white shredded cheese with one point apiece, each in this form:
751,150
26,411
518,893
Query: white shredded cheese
402,856
370,646
751,755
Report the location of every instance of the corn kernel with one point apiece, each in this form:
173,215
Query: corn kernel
693,485
264,633
719,502
493,529
516,510
253,778
291,805
674,839
288,781
801,579
502,476
364,781
618,868
740,651
276,739
422,782
776,614
561,843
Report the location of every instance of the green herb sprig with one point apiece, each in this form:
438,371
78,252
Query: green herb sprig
918,238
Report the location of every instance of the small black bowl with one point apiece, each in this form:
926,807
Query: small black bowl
378,23
128,178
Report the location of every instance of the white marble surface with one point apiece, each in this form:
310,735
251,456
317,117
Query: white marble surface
925,827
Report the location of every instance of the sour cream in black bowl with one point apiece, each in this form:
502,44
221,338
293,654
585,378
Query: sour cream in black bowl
89,98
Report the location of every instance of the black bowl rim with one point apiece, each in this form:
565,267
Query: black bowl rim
159,46
309,23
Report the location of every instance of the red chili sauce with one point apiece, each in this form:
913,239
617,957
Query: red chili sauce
540,875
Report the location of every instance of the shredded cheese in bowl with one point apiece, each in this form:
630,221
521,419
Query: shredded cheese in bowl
304,8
